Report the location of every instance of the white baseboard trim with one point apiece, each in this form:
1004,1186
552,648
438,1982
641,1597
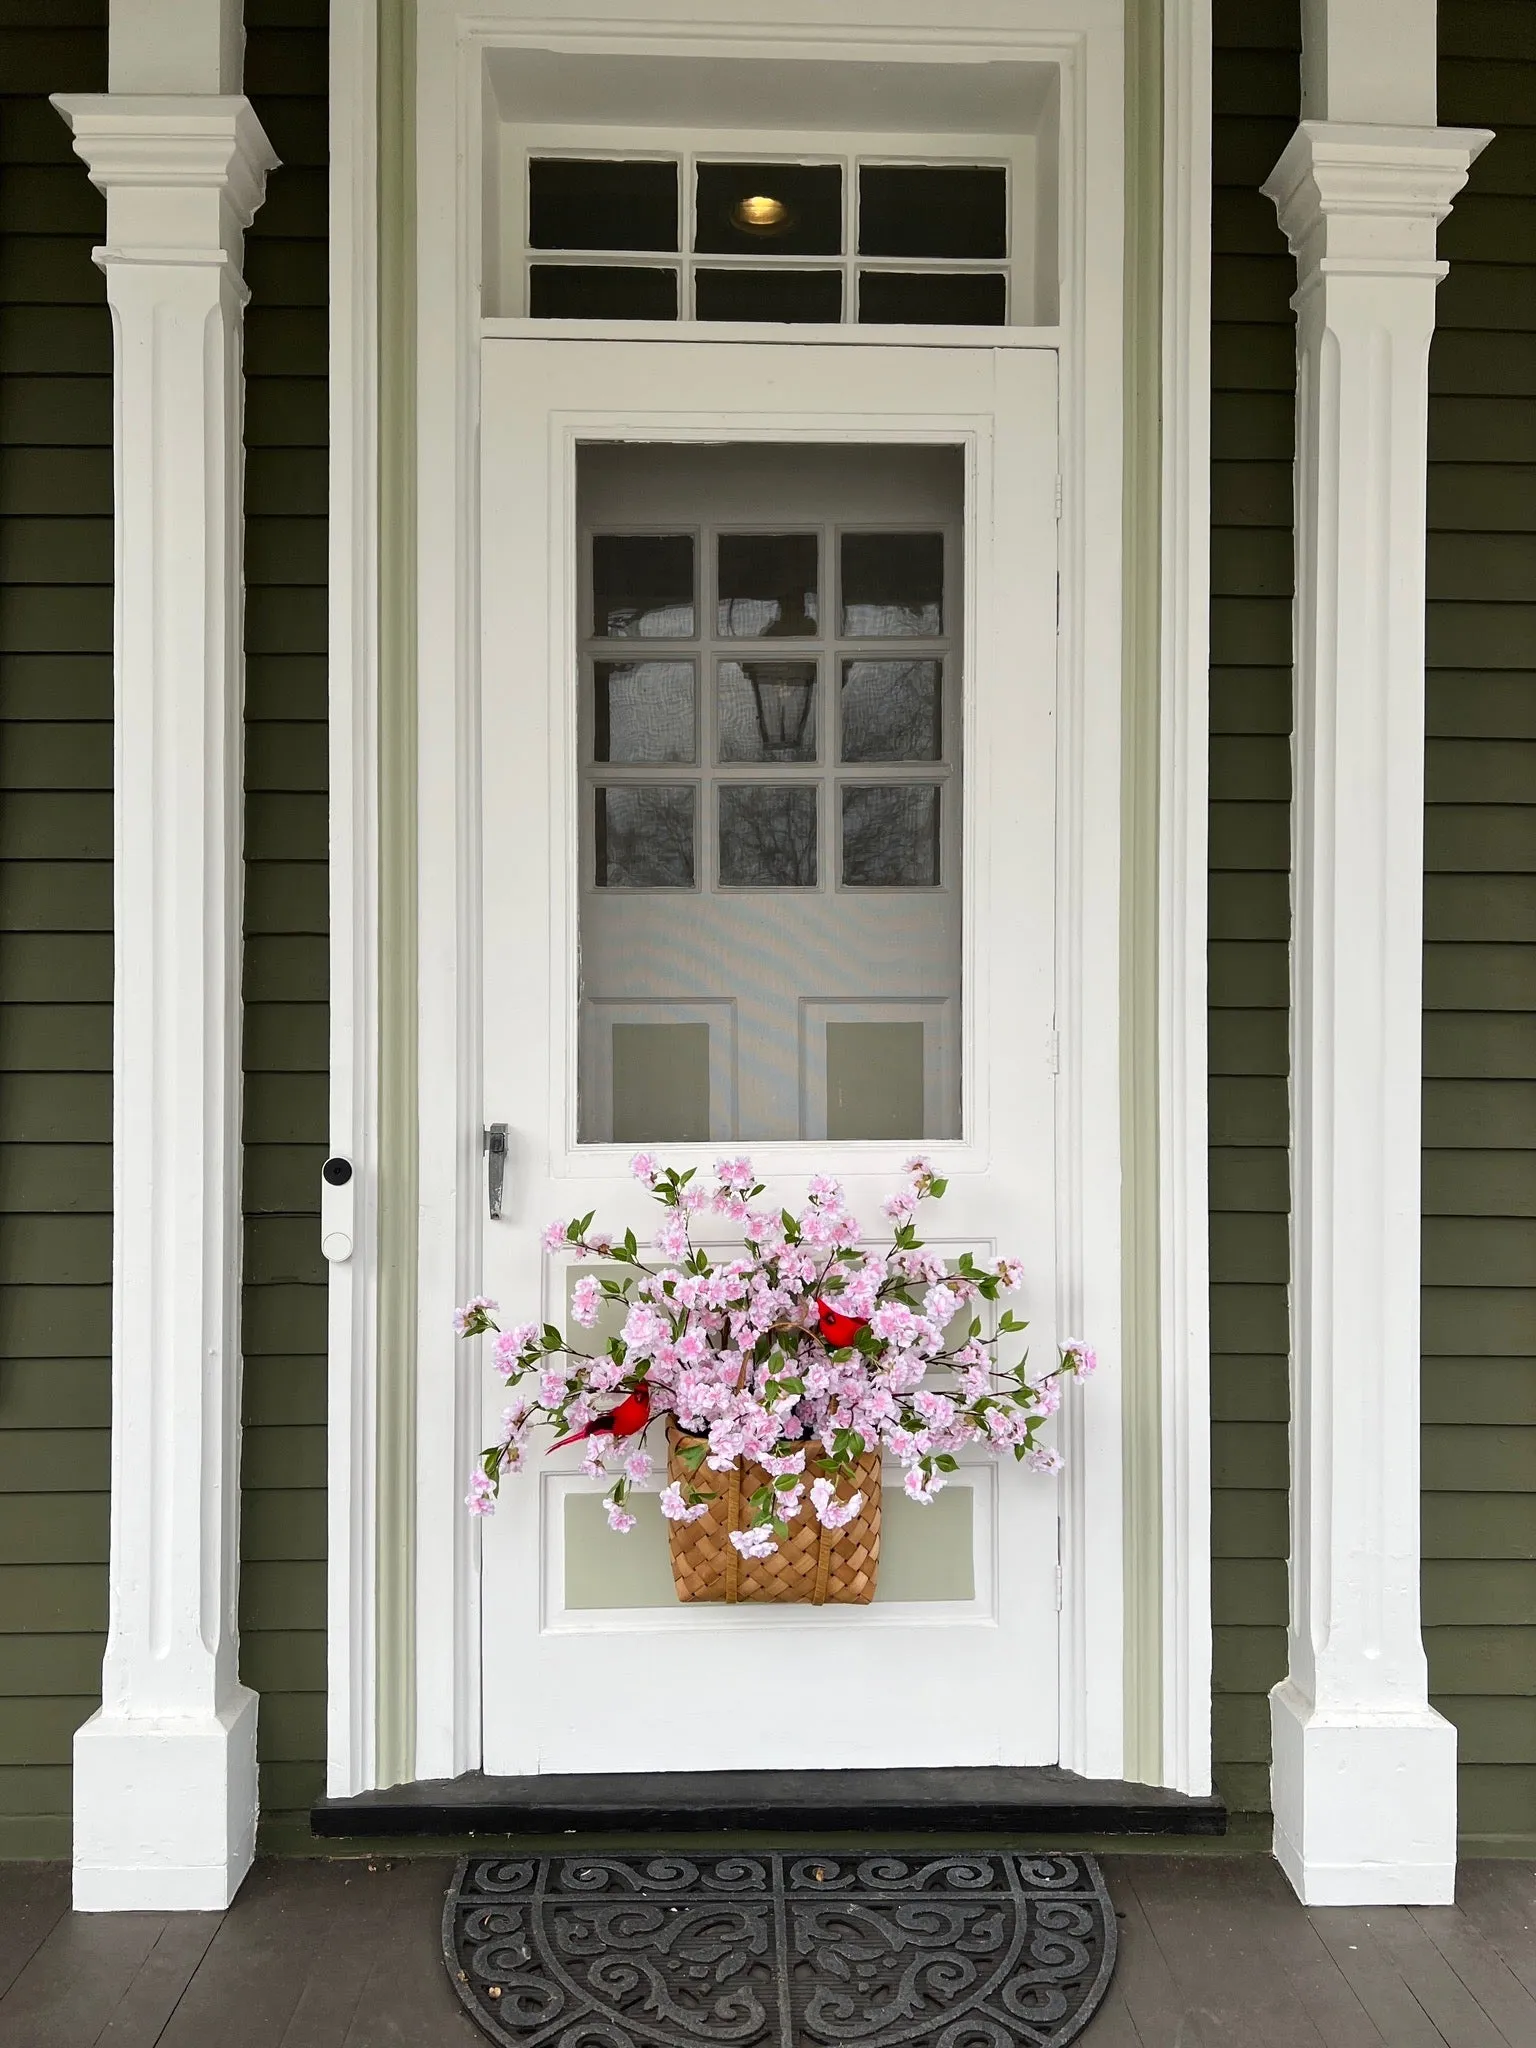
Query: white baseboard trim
1365,1807
165,1810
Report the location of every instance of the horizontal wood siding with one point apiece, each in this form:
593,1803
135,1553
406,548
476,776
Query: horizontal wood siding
1479,1442
1256,100
55,919
282,1586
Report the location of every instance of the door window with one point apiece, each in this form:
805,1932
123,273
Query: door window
770,898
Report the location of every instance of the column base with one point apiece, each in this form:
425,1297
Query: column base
1365,1806
165,1810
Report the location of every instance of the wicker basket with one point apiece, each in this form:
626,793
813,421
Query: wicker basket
815,1566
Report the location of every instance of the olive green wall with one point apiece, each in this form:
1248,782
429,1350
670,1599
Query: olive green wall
282,1584
1256,88
55,947
55,918
1479,1439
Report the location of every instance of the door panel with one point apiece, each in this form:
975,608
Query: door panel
860,960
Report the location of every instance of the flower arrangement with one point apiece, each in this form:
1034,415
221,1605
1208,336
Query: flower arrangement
797,1356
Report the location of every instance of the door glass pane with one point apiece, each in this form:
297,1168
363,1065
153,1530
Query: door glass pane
891,711
891,835
601,291
893,585
770,907
642,586
645,838
766,710
642,711
767,836
767,586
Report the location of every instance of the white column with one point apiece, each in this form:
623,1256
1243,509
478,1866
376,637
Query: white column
1364,1770
165,1773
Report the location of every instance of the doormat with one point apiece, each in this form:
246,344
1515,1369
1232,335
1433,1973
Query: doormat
804,1950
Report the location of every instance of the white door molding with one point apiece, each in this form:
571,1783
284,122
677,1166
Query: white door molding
165,1773
445,103
1364,1770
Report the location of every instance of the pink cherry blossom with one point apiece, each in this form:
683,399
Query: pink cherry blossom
469,1320
756,1542
831,1512
481,1497
554,1238
587,1300
676,1509
1044,1458
619,1518
643,1167
1085,1360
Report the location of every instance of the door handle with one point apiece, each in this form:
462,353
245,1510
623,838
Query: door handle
493,1143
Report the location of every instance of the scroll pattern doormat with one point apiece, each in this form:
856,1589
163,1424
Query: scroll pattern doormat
805,1950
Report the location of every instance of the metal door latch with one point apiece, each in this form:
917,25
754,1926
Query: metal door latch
493,1143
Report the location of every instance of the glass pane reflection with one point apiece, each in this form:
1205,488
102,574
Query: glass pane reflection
891,711
645,838
642,711
893,585
766,710
768,585
767,836
642,586
891,835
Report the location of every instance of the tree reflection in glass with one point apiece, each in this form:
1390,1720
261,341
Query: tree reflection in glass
766,710
891,711
767,836
891,835
645,837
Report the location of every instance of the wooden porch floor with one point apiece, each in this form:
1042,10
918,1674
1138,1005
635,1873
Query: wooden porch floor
1215,1953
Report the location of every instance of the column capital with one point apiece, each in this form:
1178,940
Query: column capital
183,174
1363,200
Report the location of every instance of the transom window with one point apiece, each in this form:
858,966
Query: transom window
629,236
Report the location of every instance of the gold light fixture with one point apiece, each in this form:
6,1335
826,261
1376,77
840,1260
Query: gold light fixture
761,215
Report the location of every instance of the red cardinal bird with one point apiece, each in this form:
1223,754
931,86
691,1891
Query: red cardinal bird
836,1329
628,1419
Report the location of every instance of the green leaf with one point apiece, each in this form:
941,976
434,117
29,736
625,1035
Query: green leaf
553,1340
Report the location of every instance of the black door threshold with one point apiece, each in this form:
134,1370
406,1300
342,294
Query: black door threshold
1009,1799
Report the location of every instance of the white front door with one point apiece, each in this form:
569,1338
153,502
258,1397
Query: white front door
767,691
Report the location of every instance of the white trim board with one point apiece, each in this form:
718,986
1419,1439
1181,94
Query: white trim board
1085,40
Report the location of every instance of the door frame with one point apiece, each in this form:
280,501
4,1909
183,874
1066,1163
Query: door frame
407,86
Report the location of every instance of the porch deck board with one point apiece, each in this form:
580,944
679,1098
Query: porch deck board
1214,1952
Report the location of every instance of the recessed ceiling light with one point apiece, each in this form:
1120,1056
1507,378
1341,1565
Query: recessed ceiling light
760,215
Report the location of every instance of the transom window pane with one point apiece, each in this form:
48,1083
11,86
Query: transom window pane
601,203
771,868
779,209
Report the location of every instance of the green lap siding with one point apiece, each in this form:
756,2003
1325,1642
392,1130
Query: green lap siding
1253,356
1479,1387
55,921
282,1584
